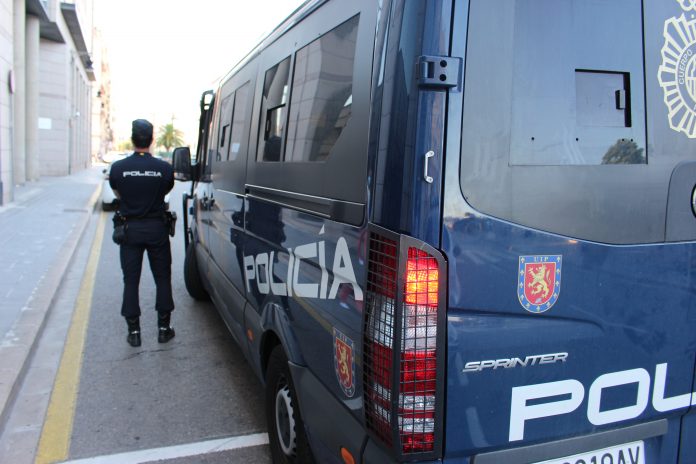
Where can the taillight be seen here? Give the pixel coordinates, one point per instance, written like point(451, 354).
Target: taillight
point(422, 282)
point(419, 353)
point(378, 362)
point(404, 289)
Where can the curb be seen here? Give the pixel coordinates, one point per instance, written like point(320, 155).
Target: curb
point(30, 324)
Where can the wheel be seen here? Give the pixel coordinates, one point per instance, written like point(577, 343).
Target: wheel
point(286, 431)
point(192, 277)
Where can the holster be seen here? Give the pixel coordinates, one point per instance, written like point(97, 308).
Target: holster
point(120, 228)
point(170, 217)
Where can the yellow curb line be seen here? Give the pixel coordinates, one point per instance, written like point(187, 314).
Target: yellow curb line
point(92, 202)
point(54, 444)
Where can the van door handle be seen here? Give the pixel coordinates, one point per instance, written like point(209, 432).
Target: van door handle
point(426, 177)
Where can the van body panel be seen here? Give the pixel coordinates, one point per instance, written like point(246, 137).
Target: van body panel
point(621, 310)
point(315, 262)
point(687, 447)
point(333, 425)
point(411, 122)
point(228, 299)
point(602, 320)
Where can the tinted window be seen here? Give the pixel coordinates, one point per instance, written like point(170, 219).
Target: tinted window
point(209, 147)
point(320, 158)
point(240, 122)
point(224, 131)
point(229, 173)
point(554, 130)
point(570, 80)
point(322, 88)
point(273, 111)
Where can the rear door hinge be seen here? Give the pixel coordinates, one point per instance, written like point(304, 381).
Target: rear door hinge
point(438, 72)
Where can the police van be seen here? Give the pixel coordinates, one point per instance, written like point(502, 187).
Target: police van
point(459, 231)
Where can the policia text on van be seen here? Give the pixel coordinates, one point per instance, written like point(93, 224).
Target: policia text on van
point(388, 193)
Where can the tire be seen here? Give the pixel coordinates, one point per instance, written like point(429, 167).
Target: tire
point(192, 277)
point(286, 432)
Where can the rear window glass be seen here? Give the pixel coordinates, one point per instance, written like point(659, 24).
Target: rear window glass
point(576, 82)
point(554, 128)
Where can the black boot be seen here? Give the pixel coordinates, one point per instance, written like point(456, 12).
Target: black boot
point(133, 331)
point(166, 333)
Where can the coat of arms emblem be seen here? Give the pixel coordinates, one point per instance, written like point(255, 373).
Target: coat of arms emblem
point(677, 74)
point(344, 362)
point(539, 282)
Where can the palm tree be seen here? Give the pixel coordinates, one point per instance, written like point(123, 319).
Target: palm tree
point(169, 136)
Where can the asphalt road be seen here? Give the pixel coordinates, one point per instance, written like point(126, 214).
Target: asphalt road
point(167, 403)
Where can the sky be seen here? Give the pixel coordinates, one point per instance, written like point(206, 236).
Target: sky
point(164, 53)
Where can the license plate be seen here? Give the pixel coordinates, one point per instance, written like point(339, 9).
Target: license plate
point(630, 453)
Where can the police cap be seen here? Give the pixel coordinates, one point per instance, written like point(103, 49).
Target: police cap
point(141, 134)
point(141, 129)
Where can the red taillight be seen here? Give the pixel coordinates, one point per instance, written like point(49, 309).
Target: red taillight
point(413, 416)
point(420, 444)
point(419, 353)
point(422, 278)
point(418, 372)
point(382, 364)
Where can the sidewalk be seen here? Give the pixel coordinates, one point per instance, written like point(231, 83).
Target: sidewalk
point(39, 232)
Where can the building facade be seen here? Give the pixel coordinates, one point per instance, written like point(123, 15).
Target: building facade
point(46, 90)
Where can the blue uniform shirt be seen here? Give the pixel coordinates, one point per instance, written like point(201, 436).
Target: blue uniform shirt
point(142, 182)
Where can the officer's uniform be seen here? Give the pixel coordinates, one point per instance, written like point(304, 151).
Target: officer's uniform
point(142, 182)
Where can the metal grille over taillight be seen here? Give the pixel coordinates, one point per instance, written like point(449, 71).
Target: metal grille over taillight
point(404, 355)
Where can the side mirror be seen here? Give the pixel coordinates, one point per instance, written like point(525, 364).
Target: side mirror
point(182, 163)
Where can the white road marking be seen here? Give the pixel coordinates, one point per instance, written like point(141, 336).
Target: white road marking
point(178, 451)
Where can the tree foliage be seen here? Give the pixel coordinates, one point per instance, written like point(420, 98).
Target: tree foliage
point(168, 137)
point(624, 152)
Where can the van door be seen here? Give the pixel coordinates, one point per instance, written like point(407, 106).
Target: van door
point(571, 308)
point(306, 205)
point(202, 194)
point(228, 179)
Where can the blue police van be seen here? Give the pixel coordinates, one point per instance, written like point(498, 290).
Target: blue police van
point(460, 230)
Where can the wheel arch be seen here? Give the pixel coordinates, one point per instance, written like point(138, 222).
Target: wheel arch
point(269, 341)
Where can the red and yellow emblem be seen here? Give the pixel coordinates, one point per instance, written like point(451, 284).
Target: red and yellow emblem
point(539, 282)
point(344, 362)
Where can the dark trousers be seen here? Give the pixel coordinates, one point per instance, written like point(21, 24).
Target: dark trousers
point(151, 235)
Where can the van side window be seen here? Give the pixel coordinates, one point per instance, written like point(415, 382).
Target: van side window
point(321, 97)
point(240, 122)
point(209, 147)
point(273, 111)
point(313, 111)
point(229, 172)
point(225, 117)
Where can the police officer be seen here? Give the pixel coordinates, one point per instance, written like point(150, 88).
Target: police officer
point(140, 182)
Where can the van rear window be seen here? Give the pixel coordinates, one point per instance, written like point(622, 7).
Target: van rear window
point(554, 119)
point(575, 82)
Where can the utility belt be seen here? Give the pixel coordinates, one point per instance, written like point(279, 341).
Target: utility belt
point(161, 215)
point(121, 223)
